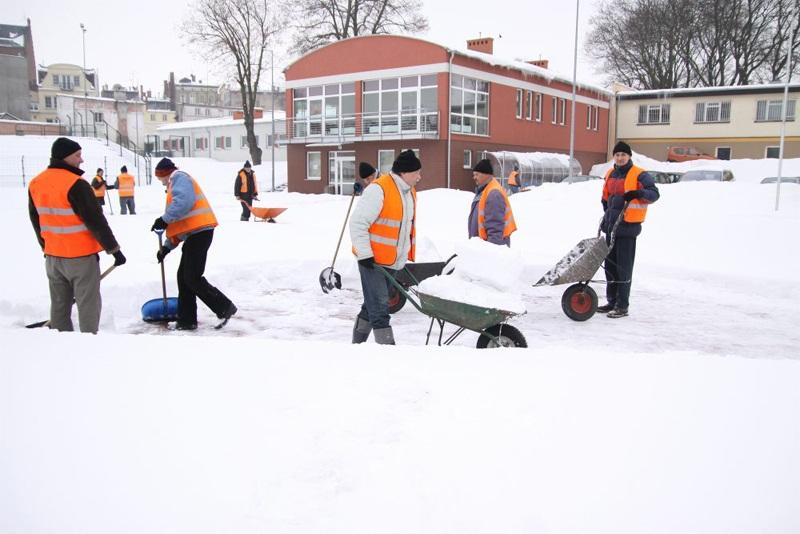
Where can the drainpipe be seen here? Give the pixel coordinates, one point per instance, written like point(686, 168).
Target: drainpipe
point(449, 111)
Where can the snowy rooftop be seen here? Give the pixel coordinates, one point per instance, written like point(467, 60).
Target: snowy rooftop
point(220, 121)
point(755, 88)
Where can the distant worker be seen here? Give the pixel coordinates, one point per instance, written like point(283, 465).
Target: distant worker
point(490, 216)
point(624, 183)
point(383, 231)
point(188, 218)
point(513, 180)
point(366, 175)
point(245, 189)
point(125, 184)
point(71, 229)
point(100, 185)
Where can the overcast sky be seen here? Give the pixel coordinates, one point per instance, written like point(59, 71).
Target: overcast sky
point(138, 43)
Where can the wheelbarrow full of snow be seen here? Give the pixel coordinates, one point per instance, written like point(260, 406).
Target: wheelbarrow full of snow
point(490, 323)
point(411, 275)
point(579, 300)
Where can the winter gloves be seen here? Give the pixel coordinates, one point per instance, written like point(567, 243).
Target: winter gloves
point(357, 187)
point(119, 258)
point(631, 195)
point(367, 263)
point(158, 224)
point(162, 252)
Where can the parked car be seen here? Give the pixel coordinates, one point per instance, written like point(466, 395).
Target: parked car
point(685, 153)
point(784, 180)
point(707, 176)
point(664, 177)
point(580, 178)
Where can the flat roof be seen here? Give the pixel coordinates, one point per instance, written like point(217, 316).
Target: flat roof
point(219, 121)
point(708, 91)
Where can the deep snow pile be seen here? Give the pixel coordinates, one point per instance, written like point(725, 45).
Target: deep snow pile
point(682, 417)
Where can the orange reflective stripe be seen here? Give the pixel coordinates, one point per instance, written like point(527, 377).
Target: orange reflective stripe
point(126, 185)
point(199, 217)
point(64, 233)
point(508, 218)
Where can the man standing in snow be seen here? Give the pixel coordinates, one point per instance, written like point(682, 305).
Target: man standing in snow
point(245, 189)
point(383, 231)
point(100, 185)
point(490, 216)
point(624, 183)
point(126, 184)
point(71, 230)
point(188, 217)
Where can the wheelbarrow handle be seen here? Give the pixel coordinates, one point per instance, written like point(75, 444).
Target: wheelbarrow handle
point(613, 232)
point(400, 288)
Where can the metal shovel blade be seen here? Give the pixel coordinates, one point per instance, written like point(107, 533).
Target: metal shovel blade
point(329, 279)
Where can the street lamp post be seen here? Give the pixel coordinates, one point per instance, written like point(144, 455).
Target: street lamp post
point(272, 111)
point(574, 90)
point(85, 89)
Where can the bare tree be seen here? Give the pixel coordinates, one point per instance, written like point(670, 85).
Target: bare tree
point(787, 22)
point(241, 30)
point(323, 21)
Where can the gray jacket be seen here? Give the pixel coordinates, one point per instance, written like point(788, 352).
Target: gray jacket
point(495, 213)
point(366, 213)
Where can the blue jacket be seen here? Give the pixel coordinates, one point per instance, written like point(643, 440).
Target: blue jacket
point(613, 205)
point(183, 198)
point(495, 212)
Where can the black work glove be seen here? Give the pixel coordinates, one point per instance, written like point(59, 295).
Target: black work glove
point(162, 252)
point(158, 224)
point(367, 263)
point(357, 187)
point(630, 195)
point(255, 197)
point(119, 258)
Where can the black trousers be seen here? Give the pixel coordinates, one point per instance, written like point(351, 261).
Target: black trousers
point(619, 271)
point(191, 282)
point(248, 198)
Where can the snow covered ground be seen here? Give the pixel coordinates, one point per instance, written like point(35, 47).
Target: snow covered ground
point(683, 417)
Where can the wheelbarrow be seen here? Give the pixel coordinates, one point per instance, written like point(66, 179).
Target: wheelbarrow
point(579, 300)
point(263, 214)
point(410, 275)
point(490, 323)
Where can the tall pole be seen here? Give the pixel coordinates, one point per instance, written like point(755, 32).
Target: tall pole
point(272, 111)
point(574, 89)
point(783, 118)
point(85, 89)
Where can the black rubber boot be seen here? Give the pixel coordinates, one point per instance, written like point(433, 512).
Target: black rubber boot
point(361, 330)
point(384, 336)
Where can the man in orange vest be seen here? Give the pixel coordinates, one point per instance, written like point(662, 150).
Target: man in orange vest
point(624, 183)
point(188, 218)
point(71, 230)
point(245, 188)
point(125, 184)
point(383, 232)
point(100, 185)
point(490, 216)
point(513, 180)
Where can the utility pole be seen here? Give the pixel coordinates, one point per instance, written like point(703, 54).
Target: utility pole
point(574, 90)
point(85, 89)
point(272, 111)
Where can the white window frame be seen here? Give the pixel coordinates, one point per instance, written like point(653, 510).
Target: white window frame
point(519, 104)
point(539, 99)
point(529, 105)
point(563, 110)
point(467, 159)
point(661, 110)
point(554, 117)
point(596, 118)
point(308, 166)
point(98, 116)
point(589, 117)
point(772, 110)
point(462, 87)
point(382, 171)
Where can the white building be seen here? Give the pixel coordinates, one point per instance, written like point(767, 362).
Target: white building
point(224, 139)
point(95, 116)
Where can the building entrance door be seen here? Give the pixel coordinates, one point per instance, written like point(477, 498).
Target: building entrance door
point(342, 172)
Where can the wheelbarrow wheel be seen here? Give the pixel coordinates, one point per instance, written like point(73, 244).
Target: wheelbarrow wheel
point(396, 300)
point(506, 337)
point(579, 302)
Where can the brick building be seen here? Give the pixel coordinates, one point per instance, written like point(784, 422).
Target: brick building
point(367, 98)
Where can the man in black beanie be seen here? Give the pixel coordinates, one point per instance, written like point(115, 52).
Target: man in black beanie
point(245, 189)
point(383, 231)
point(626, 186)
point(490, 215)
point(71, 229)
point(366, 174)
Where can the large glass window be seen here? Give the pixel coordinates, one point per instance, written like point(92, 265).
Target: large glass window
point(314, 166)
point(395, 105)
point(328, 110)
point(385, 161)
point(713, 111)
point(469, 105)
point(654, 114)
point(772, 110)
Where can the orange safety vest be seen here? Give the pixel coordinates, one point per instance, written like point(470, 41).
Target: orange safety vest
point(243, 187)
point(126, 185)
point(510, 226)
point(201, 216)
point(100, 192)
point(384, 234)
point(637, 208)
point(64, 233)
point(512, 178)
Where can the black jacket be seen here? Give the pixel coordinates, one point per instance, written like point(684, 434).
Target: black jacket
point(84, 204)
point(612, 206)
point(251, 184)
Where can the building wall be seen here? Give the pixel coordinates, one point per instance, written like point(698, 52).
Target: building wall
point(14, 92)
point(236, 152)
point(47, 88)
point(30, 128)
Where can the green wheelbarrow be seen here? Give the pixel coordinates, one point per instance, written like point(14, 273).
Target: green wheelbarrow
point(490, 323)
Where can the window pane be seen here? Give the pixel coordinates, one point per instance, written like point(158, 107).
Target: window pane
point(315, 91)
point(455, 123)
point(315, 108)
point(372, 85)
point(483, 86)
point(409, 81)
point(409, 101)
point(371, 103)
point(428, 99)
point(332, 106)
point(469, 103)
point(482, 127)
point(385, 161)
point(389, 83)
point(300, 109)
point(455, 101)
point(332, 89)
point(348, 104)
point(483, 105)
point(468, 125)
point(348, 88)
point(469, 83)
point(456, 80)
point(389, 102)
point(314, 166)
point(428, 80)
point(467, 159)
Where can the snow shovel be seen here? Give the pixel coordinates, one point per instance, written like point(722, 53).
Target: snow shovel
point(328, 278)
point(165, 309)
point(46, 322)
